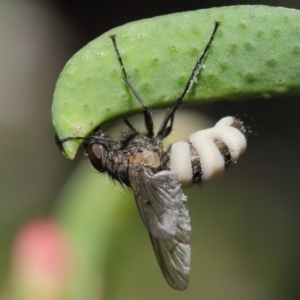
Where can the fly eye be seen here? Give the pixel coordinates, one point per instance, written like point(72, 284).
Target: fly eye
point(95, 153)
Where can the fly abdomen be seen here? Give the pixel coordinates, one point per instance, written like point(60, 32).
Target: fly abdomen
point(208, 152)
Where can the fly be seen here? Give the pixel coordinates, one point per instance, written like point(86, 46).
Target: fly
point(157, 176)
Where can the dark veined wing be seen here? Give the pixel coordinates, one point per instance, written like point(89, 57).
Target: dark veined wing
point(158, 197)
point(161, 204)
point(174, 255)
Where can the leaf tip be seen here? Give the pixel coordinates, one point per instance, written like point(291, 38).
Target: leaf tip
point(67, 147)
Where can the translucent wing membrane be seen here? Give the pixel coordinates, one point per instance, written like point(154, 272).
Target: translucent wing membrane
point(174, 255)
point(159, 198)
point(160, 201)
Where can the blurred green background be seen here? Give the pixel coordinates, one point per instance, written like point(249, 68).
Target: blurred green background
point(245, 225)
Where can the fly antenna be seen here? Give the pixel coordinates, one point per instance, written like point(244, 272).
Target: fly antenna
point(164, 128)
point(147, 110)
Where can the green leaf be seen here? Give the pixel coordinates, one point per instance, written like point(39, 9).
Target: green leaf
point(256, 53)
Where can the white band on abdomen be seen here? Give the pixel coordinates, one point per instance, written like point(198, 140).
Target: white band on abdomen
point(211, 160)
point(180, 163)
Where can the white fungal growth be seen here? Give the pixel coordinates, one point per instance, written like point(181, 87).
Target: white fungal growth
point(182, 168)
point(214, 148)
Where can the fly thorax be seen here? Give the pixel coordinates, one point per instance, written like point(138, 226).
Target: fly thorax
point(140, 150)
point(146, 158)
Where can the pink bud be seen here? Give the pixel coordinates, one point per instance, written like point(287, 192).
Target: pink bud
point(41, 261)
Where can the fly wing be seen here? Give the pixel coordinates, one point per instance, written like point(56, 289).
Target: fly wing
point(159, 198)
point(161, 204)
point(174, 255)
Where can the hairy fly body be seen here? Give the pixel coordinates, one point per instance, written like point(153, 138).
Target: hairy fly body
point(157, 176)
